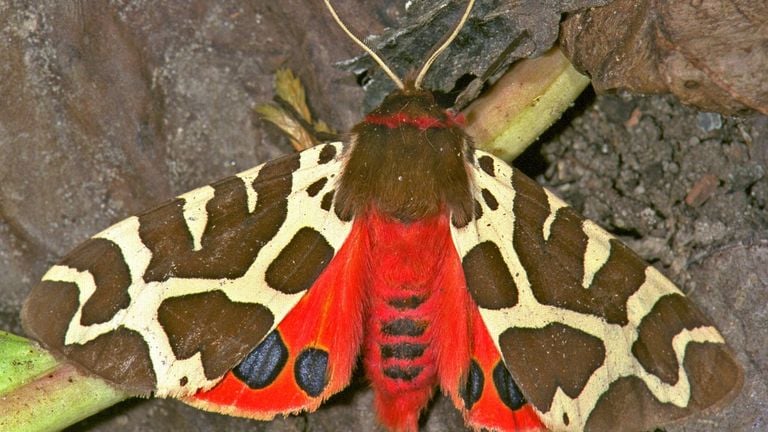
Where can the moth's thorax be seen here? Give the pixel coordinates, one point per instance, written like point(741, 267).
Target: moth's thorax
point(409, 160)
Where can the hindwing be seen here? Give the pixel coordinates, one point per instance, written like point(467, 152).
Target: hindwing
point(171, 300)
point(595, 338)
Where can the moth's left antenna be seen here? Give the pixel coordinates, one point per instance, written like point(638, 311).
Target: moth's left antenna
point(365, 47)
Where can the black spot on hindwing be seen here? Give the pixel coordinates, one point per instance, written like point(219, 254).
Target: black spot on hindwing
point(507, 388)
point(311, 370)
point(474, 387)
point(262, 365)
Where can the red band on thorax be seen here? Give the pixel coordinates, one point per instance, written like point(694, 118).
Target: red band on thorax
point(423, 122)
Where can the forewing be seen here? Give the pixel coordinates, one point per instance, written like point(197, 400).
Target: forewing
point(596, 339)
point(170, 300)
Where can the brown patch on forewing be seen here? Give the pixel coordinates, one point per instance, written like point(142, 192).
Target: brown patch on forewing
point(120, 356)
point(300, 262)
point(714, 373)
point(653, 348)
point(629, 405)
point(490, 199)
point(556, 356)
point(486, 164)
point(316, 187)
point(222, 331)
point(48, 310)
point(105, 262)
point(327, 201)
point(327, 154)
point(555, 267)
point(488, 278)
point(478, 210)
point(232, 238)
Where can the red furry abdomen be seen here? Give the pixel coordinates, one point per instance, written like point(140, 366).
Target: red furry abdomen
point(416, 328)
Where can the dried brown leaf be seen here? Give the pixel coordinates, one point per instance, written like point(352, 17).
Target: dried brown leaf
point(711, 54)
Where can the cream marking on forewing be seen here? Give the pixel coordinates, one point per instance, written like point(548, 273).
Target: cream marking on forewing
point(555, 204)
point(125, 234)
point(597, 252)
point(251, 195)
point(195, 214)
point(653, 288)
point(250, 288)
point(581, 407)
point(528, 313)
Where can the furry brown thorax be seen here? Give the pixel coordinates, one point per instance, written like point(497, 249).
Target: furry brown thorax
point(408, 159)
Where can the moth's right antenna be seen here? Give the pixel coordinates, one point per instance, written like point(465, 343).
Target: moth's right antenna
point(439, 50)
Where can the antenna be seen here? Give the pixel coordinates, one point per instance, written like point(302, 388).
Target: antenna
point(398, 82)
point(438, 51)
point(425, 68)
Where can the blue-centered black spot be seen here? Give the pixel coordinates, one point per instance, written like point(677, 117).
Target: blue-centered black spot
point(311, 371)
point(474, 387)
point(507, 388)
point(262, 366)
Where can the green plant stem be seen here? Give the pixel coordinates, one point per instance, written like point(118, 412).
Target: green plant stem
point(523, 104)
point(38, 393)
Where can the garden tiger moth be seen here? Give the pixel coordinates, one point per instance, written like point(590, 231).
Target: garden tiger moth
point(254, 296)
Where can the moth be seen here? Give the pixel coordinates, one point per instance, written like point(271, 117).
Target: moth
point(436, 263)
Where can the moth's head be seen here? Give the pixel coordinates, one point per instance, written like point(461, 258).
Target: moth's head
point(413, 107)
point(409, 100)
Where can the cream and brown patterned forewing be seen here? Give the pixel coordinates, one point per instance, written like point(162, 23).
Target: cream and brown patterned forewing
point(596, 339)
point(170, 300)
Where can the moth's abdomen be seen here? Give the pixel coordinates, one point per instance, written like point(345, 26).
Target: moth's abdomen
point(410, 294)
